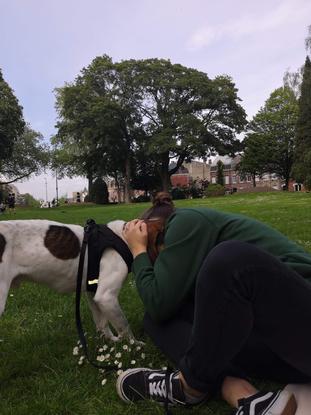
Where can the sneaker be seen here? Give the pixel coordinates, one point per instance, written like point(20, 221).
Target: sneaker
point(161, 386)
point(271, 403)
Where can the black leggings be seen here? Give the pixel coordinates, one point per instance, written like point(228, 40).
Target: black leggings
point(252, 317)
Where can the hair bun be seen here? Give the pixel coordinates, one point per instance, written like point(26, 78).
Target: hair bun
point(162, 198)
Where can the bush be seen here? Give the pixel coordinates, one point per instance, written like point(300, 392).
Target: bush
point(195, 192)
point(99, 192)
point(179, 193)
point(29, 200)
point(141, 198)
point(214, 189)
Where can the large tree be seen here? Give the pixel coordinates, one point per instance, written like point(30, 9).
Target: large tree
point(11, 120)
point(170, 111)
point(253, 161)
point(269, 144)
point(29, 156)
point(98, 123)
point(185, 113)
point(302, 164)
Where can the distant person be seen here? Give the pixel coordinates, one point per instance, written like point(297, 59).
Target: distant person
point(11, 203)
point(53, 202)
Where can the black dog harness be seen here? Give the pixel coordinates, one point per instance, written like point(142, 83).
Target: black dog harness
point(100, 237)
point(97, 238)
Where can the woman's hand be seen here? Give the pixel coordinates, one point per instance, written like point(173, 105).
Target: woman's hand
point(136, 235)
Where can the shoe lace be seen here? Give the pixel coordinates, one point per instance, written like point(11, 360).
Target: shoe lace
point(157, 388)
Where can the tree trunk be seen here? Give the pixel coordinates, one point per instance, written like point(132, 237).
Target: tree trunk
point(127, 181)
point(90, 184)
point(164, 173)
point(118, 188)
point(254, 180)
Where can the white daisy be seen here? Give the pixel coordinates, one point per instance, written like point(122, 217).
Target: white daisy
point(75, 351)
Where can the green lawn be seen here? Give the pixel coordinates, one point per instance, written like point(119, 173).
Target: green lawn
point(38, 372)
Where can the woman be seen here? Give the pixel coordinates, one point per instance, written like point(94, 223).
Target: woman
point(227, 297)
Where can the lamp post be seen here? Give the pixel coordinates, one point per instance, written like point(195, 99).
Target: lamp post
point(56, 182)
point(46, 189)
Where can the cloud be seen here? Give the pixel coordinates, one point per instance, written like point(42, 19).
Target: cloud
point(287, 13)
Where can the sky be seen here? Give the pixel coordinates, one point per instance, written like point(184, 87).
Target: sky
point(46, 43)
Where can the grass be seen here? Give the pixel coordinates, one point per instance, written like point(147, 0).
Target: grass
point(38, 372)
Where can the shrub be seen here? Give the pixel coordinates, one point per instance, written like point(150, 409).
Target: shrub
point(99, 192)
point(179, 193)
point(214, 189)
point(141, 198)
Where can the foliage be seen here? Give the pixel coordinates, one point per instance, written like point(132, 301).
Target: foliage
point(98, 123)
point(293, 80)
point(99, 192)
point(214, 189)
point(308, 41)
point(144, 172)
point(302, 164)
point(4, 193)
point(117, 115)
point(11, 120)
point(269, 144)
point(29, 200)
point(29, 156)
point(185, 113)
point(141, 199)
point(220, 173)
point(179, 192)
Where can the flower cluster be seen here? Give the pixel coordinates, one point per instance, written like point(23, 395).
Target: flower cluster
point(121, 355)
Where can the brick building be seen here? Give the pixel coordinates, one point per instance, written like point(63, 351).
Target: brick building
point(190, 172)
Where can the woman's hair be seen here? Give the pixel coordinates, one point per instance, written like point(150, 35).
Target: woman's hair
point(155, 218)
point(162, 207)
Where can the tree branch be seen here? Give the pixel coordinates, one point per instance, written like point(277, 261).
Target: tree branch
point(17, 178)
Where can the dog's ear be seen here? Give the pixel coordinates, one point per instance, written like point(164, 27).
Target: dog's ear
point(155, 238)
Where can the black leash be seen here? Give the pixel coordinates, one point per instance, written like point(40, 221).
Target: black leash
point(87, 229)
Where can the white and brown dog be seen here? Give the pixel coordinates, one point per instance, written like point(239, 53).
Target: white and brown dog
point(48, 252)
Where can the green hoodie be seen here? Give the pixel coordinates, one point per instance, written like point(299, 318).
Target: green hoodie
point(189, 236)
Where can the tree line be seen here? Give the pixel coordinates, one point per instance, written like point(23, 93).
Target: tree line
point(128, 120)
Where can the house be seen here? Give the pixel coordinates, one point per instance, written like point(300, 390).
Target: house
point(190, 172)
point(234, 181)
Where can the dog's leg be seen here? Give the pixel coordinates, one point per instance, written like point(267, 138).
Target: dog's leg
point(4, 290)
point(113, 272)
point(101, 322)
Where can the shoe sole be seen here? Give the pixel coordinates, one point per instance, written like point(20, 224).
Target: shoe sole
point(121, 379)
point(278, 408)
